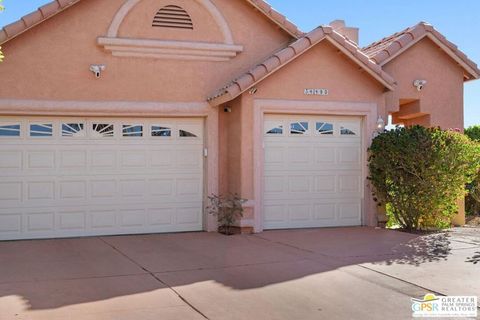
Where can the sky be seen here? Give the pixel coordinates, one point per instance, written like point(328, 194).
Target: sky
point(458, 21)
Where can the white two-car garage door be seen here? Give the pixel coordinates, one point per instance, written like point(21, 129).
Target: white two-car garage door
point(80, 177)
point(313, 172)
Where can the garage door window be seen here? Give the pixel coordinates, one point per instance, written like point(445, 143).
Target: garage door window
point(345, 131)
point(103, 130)
point(273, 128)
point(41, 130)
point(161, 131)
point(299, 128)
point(132, 130)
point(186, 134)
point(73, 130)
point(324, 128)
point(10, 130)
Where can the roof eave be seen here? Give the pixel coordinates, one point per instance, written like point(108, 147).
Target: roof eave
point(473, 72)
point(234, 91)
point(276, 17)
point(386, 84)
point(44, 11)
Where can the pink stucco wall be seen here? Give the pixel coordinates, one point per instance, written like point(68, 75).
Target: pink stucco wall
point(442, 97)
point(51, 62)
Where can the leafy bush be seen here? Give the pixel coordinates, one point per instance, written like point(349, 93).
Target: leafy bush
point(420, 173)
point(473, 133)
point(472, 201)
point(228, 209)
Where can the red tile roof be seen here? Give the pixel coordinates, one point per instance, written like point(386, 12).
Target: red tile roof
point(290, 53)
point(52, 8)
point(32, 19)
point(277, 18)
point(390, 47)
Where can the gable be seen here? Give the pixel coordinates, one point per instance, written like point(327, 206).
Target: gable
point(293, 52)
point(425, 60)
point(322, 67)
point(55, 7)
point(391, 47)
point(53, 59)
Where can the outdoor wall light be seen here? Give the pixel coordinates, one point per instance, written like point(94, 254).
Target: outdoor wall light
point(419, 84)
point(380, 124)
point(97, 69)
point(253, 90)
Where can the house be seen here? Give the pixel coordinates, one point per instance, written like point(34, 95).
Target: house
point(122, 116)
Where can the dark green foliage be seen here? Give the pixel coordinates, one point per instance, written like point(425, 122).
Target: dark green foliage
point(420, 173)
point(473, 133)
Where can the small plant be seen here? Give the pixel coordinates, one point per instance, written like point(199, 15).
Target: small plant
point(420, 174)
point(227, 209)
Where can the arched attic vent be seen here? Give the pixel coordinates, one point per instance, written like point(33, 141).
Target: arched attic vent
point(172, 17)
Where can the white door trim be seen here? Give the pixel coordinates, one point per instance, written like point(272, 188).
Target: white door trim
point(267, 106)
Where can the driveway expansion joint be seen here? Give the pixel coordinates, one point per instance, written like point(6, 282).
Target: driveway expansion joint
point(156, 278)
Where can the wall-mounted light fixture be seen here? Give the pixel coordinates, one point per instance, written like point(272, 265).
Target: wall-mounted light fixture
point(380, 124)
point(380, 127)
point(420, 84)
point(253, 90)
point(97, 69)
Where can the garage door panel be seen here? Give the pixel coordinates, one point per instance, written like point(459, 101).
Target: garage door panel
point(162, 158)
point(89, 181)
point(103, 219)
point(274, 155)
point(132, 217)
point(325, 183)
point(10, 160)
point(40, 221)
point(103, 159)
point(10, 222)
point(312, 179)
point(133, 159)
point(325, 155)
point(350, 183)
point(326, 211)
point(349, 210)
point(72, 220)
point(72, 190)
point(299, 184)
point(10, 192)
point(40, 160)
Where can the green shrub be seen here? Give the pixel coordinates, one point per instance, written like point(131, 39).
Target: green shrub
point(472, 201)
point(420, 173)
point(473, 133)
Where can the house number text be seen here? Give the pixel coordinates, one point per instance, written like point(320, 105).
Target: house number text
point(316, 92)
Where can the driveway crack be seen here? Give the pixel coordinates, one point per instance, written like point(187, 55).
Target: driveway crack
point(156, 278)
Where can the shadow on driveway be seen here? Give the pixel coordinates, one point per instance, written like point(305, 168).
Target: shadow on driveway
point(50, 274)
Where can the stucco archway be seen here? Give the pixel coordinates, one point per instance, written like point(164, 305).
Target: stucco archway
point(184, 50)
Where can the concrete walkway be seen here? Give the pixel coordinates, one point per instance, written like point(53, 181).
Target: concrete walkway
point(347, 273)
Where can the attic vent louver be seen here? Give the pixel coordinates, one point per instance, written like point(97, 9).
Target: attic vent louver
point(172, 17)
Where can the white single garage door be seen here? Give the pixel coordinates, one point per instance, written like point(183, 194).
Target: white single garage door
point(313, 172)
point(64, 177)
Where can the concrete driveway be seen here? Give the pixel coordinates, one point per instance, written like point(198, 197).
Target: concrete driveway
point(347, 273)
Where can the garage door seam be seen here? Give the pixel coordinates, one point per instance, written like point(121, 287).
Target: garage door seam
point(156, 278)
